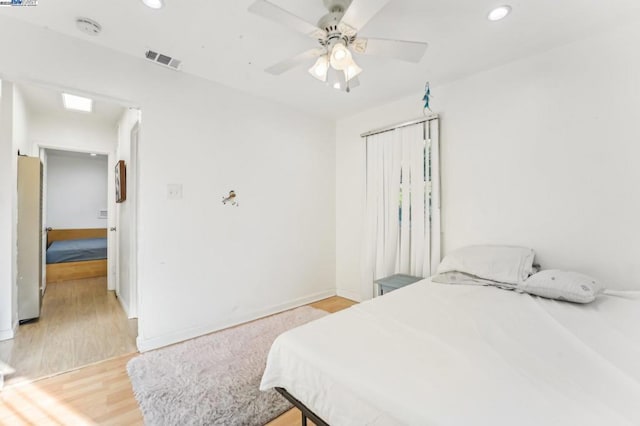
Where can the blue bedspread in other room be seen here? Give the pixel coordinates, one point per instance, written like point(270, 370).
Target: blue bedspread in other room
point(77, 250)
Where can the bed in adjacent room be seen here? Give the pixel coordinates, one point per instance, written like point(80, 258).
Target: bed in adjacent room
point(76, 254)
point(441, 354)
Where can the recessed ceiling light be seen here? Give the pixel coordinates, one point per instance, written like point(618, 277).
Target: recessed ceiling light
point(77, 103)
point(93, 154)
point(154, 4)
point(499, 13)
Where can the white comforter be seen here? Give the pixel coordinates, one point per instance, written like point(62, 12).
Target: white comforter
point(437, 354)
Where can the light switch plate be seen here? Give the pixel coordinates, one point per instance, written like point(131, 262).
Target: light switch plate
point(174, 191)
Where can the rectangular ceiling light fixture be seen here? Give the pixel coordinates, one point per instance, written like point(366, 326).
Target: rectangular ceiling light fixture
point(77, 103)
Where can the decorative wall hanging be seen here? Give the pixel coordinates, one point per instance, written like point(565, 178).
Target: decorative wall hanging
point(121, 182)
point(427, 98)
point(230, 199)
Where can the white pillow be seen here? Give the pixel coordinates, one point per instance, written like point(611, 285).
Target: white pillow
point(563, 285)
point(504, 264)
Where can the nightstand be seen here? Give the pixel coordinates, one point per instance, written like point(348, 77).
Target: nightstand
point(394, 282)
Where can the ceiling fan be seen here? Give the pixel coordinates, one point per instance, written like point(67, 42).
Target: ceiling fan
point(337, 34)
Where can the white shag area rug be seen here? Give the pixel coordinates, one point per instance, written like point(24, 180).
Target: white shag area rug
point(214, 379)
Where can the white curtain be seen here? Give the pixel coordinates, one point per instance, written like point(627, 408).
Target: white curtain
point(402, 223)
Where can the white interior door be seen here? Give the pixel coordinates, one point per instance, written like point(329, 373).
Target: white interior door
point(43, 159)
point(133, 222)
point(125, 235)
point(112, 222)
point(114, 260)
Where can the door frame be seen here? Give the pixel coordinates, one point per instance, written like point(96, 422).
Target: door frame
point(36, 146)
point(111, 254)
point(133, 276)
point(132, 201)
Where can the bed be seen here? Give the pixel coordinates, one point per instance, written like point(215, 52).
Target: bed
point(438, 354)
point(76, 254)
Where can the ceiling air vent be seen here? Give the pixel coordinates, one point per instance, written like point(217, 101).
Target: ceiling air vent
point(164, 60)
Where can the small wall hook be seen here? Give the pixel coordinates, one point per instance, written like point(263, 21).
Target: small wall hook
point(231, 199)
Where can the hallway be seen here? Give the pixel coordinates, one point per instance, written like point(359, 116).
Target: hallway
point(81, 323)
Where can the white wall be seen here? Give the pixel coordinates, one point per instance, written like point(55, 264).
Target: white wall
point(202, 265)
point(540, 153)
point(14, 137)
point(72, 132)
point(21, 122)
point(7, 247)
point(76, 191)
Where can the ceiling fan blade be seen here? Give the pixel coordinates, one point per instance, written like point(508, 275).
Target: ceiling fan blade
point(298, 60)
point(361, 11)
point(276, 13)
point(410, 51)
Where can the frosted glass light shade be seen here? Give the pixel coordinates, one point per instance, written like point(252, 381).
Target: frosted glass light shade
point(320, 68)
point(336, 79)
point(351, 70)
point(340, 56)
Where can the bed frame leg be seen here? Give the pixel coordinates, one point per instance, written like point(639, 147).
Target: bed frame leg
point(306, 413)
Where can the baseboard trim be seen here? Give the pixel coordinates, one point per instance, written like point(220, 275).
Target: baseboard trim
point(9, 333)
point(125, 308)
point(190, 333)
point(348, 294)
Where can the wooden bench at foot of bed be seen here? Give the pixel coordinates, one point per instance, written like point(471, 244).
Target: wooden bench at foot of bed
point(75, 270)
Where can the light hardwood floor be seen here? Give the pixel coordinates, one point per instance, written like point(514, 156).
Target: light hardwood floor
point(98, 394)
point(80, 323)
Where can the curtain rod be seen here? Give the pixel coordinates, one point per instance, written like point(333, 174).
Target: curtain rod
point(399, 125)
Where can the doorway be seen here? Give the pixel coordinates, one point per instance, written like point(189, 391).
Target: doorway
point(88, 296)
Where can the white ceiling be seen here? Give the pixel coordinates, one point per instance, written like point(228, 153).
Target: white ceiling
point(45, 101)
point(221, 41)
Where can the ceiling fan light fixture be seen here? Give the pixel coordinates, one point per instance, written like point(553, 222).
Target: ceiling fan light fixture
point(351, 70)
point(340, 57)
point(336, 79)
point(339, 54)
point(337, 34)
point(320, 69)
